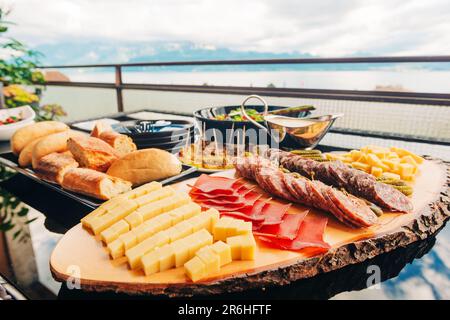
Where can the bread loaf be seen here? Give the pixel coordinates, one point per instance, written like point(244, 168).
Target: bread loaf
point(92, 153)
point(26, 154)
point(25, 135)
point(100, 127)
point(53, 166)
point(94, 183)
point(145, 165)
point(56, 142)
point(123, 144)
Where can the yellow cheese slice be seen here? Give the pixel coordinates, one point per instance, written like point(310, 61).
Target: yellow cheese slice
point(195, 269)
point(223, 250)
point(100, 223)
point(221, 228)
point(199, 240)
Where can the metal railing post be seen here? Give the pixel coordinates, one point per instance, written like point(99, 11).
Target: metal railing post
point(118, 86)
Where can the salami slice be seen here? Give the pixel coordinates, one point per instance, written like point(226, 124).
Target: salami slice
point(354, 209)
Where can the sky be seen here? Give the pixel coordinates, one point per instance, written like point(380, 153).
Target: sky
point(327, 28)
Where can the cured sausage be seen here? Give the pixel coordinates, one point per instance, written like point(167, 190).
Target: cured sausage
point(356, 182)
point(346, 208)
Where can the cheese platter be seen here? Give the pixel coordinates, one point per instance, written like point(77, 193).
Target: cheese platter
point(245, 228)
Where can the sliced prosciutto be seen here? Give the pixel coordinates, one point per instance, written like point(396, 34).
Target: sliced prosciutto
point(287, 229)
point(310, 235)
point(215, 184)
point(248, 200)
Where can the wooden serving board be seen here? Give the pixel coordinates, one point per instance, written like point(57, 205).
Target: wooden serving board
point(80, 252)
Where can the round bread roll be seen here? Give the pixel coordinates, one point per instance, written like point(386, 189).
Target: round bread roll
point(56, 142)
point(27, 134)
point(145, 165)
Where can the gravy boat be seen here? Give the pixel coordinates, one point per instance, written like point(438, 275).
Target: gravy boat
point(306, 132)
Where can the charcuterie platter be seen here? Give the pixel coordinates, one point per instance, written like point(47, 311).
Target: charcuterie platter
point(324, 239)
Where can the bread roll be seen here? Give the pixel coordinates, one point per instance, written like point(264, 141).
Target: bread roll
point(100, 127)
point(123, 144)
point(145, 165)
point(53, 166)
point(25, 135)
point(92, 153)
point(56, 142)
point(93, 183)
point(27, 153)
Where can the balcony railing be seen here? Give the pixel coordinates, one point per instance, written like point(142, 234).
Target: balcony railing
point(427, 99)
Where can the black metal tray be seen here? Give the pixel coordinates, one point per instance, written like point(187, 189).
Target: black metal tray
point(9, 160)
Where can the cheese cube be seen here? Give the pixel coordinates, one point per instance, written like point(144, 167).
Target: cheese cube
point(154, 196)
point(173, 234)
point(150, 262)
point(164, 221)
point(87, 220)
point(361, 166)
point(248, 248)
point(406, 170)
point(221, 228)
point(376, 171)
point(184, 228)
point(195, 269)
point(210, 259)
point(134, 219)
point(215, 216)
point(113, 232)
point(243, 227)
point(181, 252)
point(235, 247)
point(129, 239)
point(402, 152)
point(166, 258)
point(393, 165)
point(192, 210)
point(135, 254)
point(151, 210)
point(141, 190)
point(410, 160)
point(242, 247)
point(116, 249)
point(102, 222)
point(223, 250)
point(199, 240)
point(201, 221)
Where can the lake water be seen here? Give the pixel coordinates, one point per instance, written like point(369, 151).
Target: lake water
point(407, 79)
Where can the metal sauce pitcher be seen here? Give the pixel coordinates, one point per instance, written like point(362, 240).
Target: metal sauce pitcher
point(307, 132)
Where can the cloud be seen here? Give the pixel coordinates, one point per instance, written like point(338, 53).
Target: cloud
point(325, 28)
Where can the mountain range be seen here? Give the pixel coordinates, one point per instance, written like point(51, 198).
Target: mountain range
point(76, 52)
